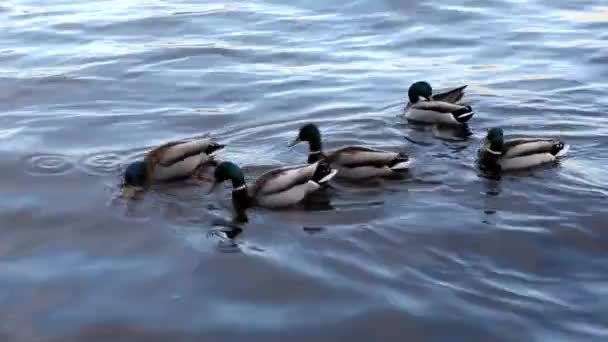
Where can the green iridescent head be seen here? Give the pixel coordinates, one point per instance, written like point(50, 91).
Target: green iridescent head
point(311, 134)
point(229, 171)
point(420, 89)
point(240, 197)
point(495, 138)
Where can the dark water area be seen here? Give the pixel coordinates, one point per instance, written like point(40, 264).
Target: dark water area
point(442, 255)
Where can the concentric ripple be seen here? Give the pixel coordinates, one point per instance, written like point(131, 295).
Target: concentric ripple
point(100, 164)
point(48, 164)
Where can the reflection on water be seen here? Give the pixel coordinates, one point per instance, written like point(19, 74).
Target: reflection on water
point(455, 133)
point(443, 251)
point(491, 202)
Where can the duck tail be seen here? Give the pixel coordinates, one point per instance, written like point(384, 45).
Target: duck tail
point(451, 96)
point(323, 172)
point(463, 114)
point(213, 147)
point(559, 149)
point(402, 162)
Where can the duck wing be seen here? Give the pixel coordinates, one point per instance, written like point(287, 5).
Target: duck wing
point(281, 179)
point(438, 106)
point(529, 146)
point(450, 96)
point(354, 156)
point(176, 151)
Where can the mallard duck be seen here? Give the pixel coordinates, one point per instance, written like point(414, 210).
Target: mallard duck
point(352, 162)
point(439, 108)
point(170, 161)
point(277, 188)
point(496, 154)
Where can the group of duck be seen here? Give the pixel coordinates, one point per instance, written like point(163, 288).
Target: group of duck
point(287, 186)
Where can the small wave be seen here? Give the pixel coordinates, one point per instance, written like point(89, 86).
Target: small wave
point(102, 163)
point(48, 164)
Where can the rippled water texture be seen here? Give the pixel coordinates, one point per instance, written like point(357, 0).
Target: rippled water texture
point(443, 255)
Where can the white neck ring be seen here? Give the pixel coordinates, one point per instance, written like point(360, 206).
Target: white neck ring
point(496, 153)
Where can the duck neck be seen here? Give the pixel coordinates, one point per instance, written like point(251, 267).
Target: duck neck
point(315, 146)
point(238, 181)
point(241, 201)
point(240, 195)
point(315, 149)
point(495, 147)
point(314, 157)
point(491, 156)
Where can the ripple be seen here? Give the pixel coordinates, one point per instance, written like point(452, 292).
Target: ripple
point(48, 164)
point(100, 164)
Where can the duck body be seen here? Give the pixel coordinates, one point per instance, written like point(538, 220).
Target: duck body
point(278, 188)
point(360, 162)
point(289, 185)
point(441, 108)
point(516, 154)
point(171, 161)
point(175, 160)
point(353, 162)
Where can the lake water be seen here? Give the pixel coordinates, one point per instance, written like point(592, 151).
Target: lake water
point(442, 255)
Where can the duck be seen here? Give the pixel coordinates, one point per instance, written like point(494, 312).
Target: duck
point(173, 160)
point(496, 154)
point(277, 188)
point(352, 162)
point(441, 108)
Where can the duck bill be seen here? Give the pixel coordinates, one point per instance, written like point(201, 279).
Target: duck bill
point(130, 191)
point(294, 142)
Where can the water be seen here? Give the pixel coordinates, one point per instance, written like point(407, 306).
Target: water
point(444, 255)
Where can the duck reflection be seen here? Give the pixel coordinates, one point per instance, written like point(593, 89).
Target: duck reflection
point(452, 132)
point(492, 190)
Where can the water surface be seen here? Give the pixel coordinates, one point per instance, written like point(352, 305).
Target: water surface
point(442, 255)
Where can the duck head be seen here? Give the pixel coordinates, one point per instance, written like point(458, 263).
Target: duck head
point(495, 139)
point(240, 197)
point(492, 151)
point(418, 90)
point(135, 178)
point(310, 133)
